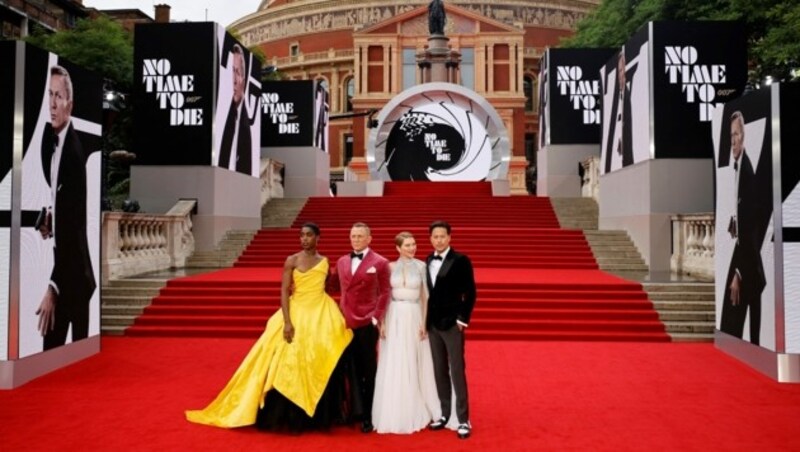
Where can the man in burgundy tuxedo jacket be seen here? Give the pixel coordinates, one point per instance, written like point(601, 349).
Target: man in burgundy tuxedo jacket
point(363, 278)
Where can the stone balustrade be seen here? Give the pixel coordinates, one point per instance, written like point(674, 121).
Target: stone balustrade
point(135, 243)
point(693, 245)
point(271, 179)
point(590, 182)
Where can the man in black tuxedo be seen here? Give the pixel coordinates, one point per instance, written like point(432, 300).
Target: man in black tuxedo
point(66, 299)
point(620, 135)
point(746, 279)
point(451, 288)
point(236, 140)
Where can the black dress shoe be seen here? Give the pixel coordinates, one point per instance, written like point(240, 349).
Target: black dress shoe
point(464, 430)
point(367, 427)
point(438, 424)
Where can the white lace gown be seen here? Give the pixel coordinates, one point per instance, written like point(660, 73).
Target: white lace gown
point(405, 390)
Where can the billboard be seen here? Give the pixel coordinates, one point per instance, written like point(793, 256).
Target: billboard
point(758, 218)
point(294, 113)
point(197, 93)
point(570, 95)
point(55, 213)
point(438, 132)
point(660, 89)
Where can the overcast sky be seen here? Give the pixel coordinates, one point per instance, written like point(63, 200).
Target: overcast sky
point(221, 11)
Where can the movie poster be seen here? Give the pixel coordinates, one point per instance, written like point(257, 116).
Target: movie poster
point(744, 248)
point(288, 118)
point(625, 81)
point(8, 51)
point(571, 102)
point(697, 66)
point(237, 118)
point(789, 94)
point(173, 69)
point(59, 239)
point(544, 99)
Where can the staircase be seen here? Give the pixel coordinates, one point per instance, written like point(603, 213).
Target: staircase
point(226, 252)
point(687, 309)
point(576, 213)
point(122, 301)
point(281, 212)
point(535, 280)
point(614, 250)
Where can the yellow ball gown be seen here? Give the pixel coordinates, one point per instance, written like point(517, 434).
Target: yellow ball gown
point(299, 371)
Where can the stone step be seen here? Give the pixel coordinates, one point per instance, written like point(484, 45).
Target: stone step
point(690, 327)
point(613, 260)
point(131, 311)
point(625, 268)
point(683, 305)
point(116, 300)
point(135, 282)
point(130, 291)
point(681, 296)
point(687, 316)
point(679, 287)
point(113, 330)
point(692, 337)
point(117, 320)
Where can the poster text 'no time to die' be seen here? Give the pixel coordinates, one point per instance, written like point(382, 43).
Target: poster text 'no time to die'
point(170, 91)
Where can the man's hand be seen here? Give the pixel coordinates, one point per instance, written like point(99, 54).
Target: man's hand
point(736, 284)
point(46, 228)
point(47, 311)
point(288, 332)
point(382, 329)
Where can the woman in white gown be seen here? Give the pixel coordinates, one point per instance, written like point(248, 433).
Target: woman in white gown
point(405, 390)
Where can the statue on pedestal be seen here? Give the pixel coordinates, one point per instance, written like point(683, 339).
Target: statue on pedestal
point(436, 17)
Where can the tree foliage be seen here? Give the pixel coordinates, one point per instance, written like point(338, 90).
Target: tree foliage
point(99, 44)
point(772, 26)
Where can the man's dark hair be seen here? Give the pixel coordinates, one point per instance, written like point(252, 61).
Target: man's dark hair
point(439, 224)
point(313, 226)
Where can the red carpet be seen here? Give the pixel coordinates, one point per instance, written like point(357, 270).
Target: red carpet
point(525, 396)
point(535, 280)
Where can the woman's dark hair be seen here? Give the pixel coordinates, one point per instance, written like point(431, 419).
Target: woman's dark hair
point(312, 226)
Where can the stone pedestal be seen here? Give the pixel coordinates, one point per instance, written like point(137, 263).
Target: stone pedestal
point(438, 63)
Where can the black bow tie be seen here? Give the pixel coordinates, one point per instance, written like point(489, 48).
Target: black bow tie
point(355, 255)
point(736, 166)
point(436, 257)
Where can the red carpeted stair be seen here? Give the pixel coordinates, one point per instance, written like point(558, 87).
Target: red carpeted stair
point(535, 280)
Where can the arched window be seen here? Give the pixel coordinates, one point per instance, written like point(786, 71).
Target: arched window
point(349, 93)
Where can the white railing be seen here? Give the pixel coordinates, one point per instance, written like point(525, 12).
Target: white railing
point(590, 183)
point(693, 245)
point(135, 243)
point(271, 180)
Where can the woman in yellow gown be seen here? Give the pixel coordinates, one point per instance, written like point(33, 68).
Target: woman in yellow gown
point(295, 358)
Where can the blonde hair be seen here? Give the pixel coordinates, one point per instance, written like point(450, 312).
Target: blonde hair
point(401, 237)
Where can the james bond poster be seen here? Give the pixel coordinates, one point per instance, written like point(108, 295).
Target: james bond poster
point(744, 248)
point(7, 53)
point(60, 204)
point(544, 100)
point(174, 67)
point(237, 119)
point(625, 81)
point(287, 112)
point(572, 95)
point(696, 67)
point(790, 202)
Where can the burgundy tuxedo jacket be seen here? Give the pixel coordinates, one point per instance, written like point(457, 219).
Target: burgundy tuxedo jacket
point(366, 293)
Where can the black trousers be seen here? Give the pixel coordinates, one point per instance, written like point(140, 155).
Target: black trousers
point(68, 313)
point(449, 369)
point(363, 365)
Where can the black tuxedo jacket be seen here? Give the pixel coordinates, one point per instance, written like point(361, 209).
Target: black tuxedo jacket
point(453, 296)
point(72, 269)
point(627, 118)
point(242, 149)
point(747, 252)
